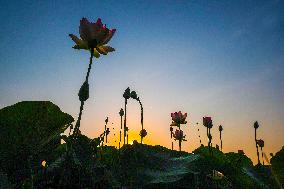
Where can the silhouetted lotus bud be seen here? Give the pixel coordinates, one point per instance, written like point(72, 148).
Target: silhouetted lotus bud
point(133, 95)
point(220, 128)
point(84, 92)
point(256, 125)
point(143, 133)
point(121, 112)
point(107, 131)
point(106, 120)
point(260, 143)
point(207, 122)
point(126, 93)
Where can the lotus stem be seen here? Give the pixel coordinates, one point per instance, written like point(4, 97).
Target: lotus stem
point(256, 146)
point(124, 131)
point(77, 125)
point(141, 118)
point(221, 140)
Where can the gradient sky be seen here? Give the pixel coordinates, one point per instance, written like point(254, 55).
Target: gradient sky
point(223, 59)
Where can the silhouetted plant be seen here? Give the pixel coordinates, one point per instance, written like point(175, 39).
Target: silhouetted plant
point(143, 132)
point(256, 126)
point(105, 131)
point(94, 37)
point(260, 143)
point(121, 113)
point(207, 122)
point(126, 96)
point(178, 118)
point(171, 130)
point(220, 130)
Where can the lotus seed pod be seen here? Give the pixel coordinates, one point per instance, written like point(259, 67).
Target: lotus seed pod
point(133, 95)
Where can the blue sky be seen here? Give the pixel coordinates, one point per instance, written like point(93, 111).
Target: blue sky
point(218, 58)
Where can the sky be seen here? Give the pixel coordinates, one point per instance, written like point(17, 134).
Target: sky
point(223, 59)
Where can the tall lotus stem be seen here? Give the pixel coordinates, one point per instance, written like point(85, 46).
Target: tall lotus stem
point(207, 122)
point(256, 125)
point(121, 113)
point(220, 130)
point(106, 121)
point(83, 95)
point(143, 132)
point(260, 143)
point(171, 130)
point(126, 96)
point(141, 106)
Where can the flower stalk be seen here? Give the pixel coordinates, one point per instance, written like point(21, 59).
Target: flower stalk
point(220, 130)
point(256, 125)
point(177, 119)
point(126, 96)
point(83, 95)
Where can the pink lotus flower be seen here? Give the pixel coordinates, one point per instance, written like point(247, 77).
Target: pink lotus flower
point(207, 122)
point(143, 133)
point(178, 118)
point(178, 135)
point(94, 36)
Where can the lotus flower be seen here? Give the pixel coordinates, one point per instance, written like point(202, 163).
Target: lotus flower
point(94, 36)
point(179, 118)
point(178, 135)
point(143, 133)
point(207, 122)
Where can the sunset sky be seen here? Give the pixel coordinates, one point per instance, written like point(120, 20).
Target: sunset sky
point(223, 59)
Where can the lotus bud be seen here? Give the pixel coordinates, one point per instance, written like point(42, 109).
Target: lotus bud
point(126, 93)
point(121, 112)
point(107, 131)
point(220, 128)
point(256, 125)
point(84, 92)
